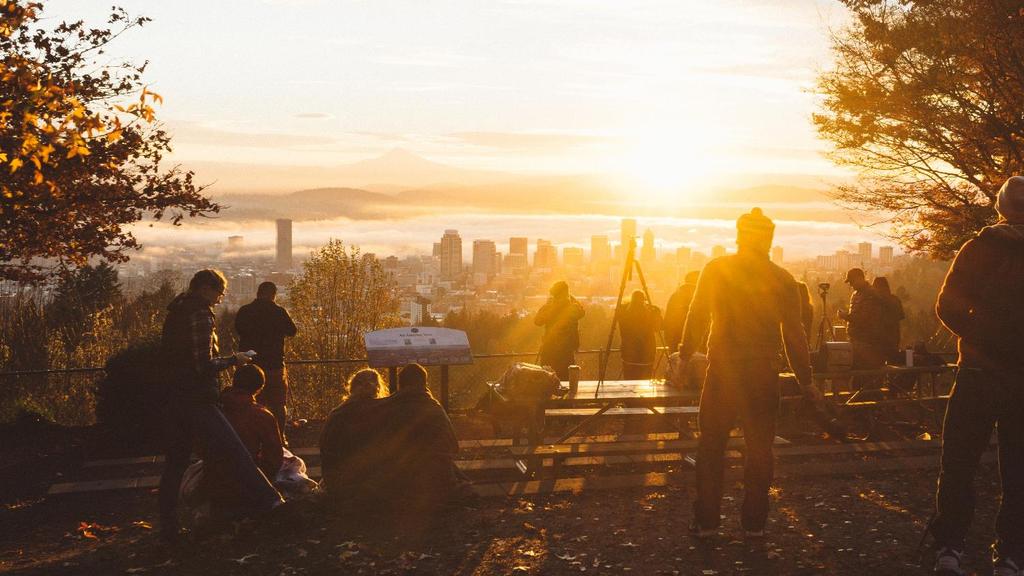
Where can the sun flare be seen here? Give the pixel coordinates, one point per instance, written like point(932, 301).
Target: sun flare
point(665, 165)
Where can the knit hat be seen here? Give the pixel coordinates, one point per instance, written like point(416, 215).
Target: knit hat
point(1010, 202)
point(755, 230)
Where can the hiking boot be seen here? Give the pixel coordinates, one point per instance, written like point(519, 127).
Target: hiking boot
point(947, 562)
point(697, 531)
point(1006, 567)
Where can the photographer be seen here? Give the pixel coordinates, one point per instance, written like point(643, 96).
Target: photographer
point(560, 318)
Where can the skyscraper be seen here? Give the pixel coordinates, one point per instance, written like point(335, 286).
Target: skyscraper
point(600, 252)
point(777, 255)
point(864, 254)
point(483, 257)
point(885, 255)
point(546, 255)
point(628, 233)
point(518, 255)
point(648, 253)
point(572, 257)
point(284, 244)
point(451, 255)
point(683, 257)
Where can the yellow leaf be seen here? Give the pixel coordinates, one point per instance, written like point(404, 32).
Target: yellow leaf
point(3, 157)
point(114, 136)
point(15, 164)
point(156, 97)
point(39, 178)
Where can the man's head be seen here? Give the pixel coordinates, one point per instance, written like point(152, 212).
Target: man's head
point(209, 285)
point(755, 231)
point(1010, 202)
point(413, 376)
point(692, 277)
point(855, 278)
point(266, 291)
point(638, 298)
point(559, 289)
point(249, 378)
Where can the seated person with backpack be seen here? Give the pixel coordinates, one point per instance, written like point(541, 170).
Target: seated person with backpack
point(254, 423)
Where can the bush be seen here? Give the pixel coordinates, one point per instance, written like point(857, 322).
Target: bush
point(131, 397)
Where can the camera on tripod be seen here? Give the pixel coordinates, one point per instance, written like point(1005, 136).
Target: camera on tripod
point(823, 288)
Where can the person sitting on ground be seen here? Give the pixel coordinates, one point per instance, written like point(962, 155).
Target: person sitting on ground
point(341, 439)
point(255, 424)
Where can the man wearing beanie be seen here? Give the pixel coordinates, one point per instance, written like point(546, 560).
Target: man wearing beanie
point(982, 302)
point(753, 308)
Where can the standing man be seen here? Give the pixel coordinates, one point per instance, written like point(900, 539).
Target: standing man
point(190, 358)
point(560, 317)
point(863, 322)
point(676, 309)
point(262, 326)
point(753, 308)
point(982, 302)
point(639, 323)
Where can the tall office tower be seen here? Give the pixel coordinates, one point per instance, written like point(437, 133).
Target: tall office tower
point(546, 255)
point(864, 254)
point(717, 251)
point(451, 255)
point(497, 262)
point(885, 255)
point(483, 257)
point(628, 232)
point(648, 254)
point(600, 252)
point(777, 255)
point(284, 244)
point(572, 257)
point(518, 245)
point(518, 255)
point(436, 253)
point(683, 257)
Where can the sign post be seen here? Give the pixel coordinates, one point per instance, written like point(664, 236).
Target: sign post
point(427, 346)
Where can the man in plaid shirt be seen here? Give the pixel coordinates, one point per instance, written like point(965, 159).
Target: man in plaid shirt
point(190, 357)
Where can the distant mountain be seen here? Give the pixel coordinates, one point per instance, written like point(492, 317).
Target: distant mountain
point(396, 170)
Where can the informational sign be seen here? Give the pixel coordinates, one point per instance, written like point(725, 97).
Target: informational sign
point(423, 345)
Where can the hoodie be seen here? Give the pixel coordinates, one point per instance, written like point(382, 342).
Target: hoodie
point(982, 298)
point(256, 427)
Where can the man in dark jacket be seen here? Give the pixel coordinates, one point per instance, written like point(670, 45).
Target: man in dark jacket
point(982, 302)
point(639, 323)
point(190, 358)
point(560, 317)
point(676, 309)
point(864, 322)
point(752, 307)
point(262, 326)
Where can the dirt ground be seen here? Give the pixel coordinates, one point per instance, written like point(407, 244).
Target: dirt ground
point(837, 525)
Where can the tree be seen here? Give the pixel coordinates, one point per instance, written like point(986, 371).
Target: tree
point(80, 148)
point(926, 99)
point(80, 295)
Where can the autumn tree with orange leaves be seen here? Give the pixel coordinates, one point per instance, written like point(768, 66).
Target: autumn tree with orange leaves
point(80, 147)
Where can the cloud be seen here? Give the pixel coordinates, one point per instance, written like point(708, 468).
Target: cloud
point(193, 133)
point(533, 141)
point(315, 115)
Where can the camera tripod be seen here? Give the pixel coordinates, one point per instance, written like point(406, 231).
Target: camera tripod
point(826, 332)
point(629, 266)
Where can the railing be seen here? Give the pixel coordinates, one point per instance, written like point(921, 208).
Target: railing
point(68, 395)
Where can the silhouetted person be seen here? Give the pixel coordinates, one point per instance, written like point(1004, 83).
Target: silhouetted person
point(981, 302)
point(262, 326)
point(863, 322)
point(560, 318)
point(806, 309)
point(892, 315)
point(639, 323)
point(191, 363)
point(255, 425)
point(345, 436)
point(753, 309)
point(676, 309)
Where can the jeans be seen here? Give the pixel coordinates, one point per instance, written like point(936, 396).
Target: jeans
point(980, 401)
point(191, 420)
point(275, 395)
point(747, 389)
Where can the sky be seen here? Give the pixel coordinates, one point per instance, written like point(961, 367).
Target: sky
point(674, 94)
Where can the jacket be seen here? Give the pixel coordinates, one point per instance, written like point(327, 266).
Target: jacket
point(982, 298)
point(560, 319)
point(189, 349)
point(256, 428)
point(262, 326)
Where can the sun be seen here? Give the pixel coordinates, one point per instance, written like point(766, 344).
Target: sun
point(664, 165)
